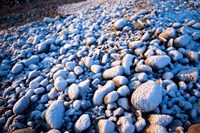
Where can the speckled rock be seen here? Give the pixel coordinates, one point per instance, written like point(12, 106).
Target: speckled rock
point(188, 75)
point(160, 119)
point(82, 123)
point(106, 126)
point(158, 61)
point(113, 72)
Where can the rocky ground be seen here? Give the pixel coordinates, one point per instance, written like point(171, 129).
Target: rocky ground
point(123, 66)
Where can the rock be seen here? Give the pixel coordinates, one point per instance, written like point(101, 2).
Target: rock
point(113, 72)
point(21, 105)
point(88, 62)
point(120, 81)
point(126, 63)
point(143, 68)
point(73, 91)
point(25, 130)
point(127, 128)
point(90, 41)
point(96, 68)
point(37, 39)
point(34, 59)
point(139, 25)
point(48, 20)
point(84, 87)
point(142, 77)
point(60, 73)
point(194, 128)
point(17, 68)
point(147, 96)
point(111, 97)
point(70, 65)
point(54, 114)
point(82, 123)
point(188, 75)
point(135, 44)
point(43, 47)
point(168, 33)
point(192, 56)
point(101, 92)
point(123, 102)
point(156, 129)
point(53, 131)
point(106, 126)
point(145, 37)
point(120, 24)
point(158, 61)
point(196, 26)
point(182, 41)
point(175, 55)
point(78, 70)
point(60, 84)
point(160, 119)
point(33, 84)
point(123, 90)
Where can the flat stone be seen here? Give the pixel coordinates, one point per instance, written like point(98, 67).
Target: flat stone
point(21, 105)
point(17, 68)
point(113, 72)
point(120, 24)
point(73, 91)
point(182, 41)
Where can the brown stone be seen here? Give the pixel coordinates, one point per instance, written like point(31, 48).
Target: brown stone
point(194, 128)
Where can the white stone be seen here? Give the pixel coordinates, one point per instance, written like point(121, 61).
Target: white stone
point(78, 70)
point(127, 61)
point(123, 90)
point(168, 33)
point(70, 65)
point(127, 128)
point(60, 84)
point(123, 102)
point(34, 59)
point(90, 40)
point(106, 126)
point(54, 114)
point(158, 61)
point(60, 73)
point(188, 75)
point(143, 68)
point(120, 81)
point(96, 68)
point(160, 119)
point(147, 96)
point(82, 123)
point(17, 68)
point(135, 44)
point(21, 105)
point(120, 24)
point(182, 41)
point(111, 97)
point(88, 62)
point(48, 20)
point(73, 91)
point(113, 72)
point(156, 129)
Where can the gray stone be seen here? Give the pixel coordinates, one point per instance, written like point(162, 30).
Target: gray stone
point(21, 105)
point(113, 72)
point(70, 65)
point(158, 61)
point(111, 97)
point(123, 102)
point(73, 91)
point(48, 20)
point(106, 126)
point(127, 61)
point(188, 75)
point(34, 59)
point(43, 47)
point(88, 62)
point(135, 44)
point(182, 41)
point(120, 81)
point(96, 68)
point(60, 84)
point(78, 70)
point(147, 96)
point(160, 119)
point(82, 123)
point(17, 68)
point(90, 41)
point(123, 90)
point(54, 114)
point(120, 24)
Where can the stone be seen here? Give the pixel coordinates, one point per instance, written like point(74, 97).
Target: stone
point(168, 33)
point(188, 75)
point(139, 25)
point(113, 72)
point(120, 24)
point(156, 129)
point(111, 97)
point(160, 119)
point(34, 59)
point(53, 131)
point(82, 123)
point(70, 65)
point(106, 126)
point(21, 105)
point(54, 114)
point(73, 91)
point(127, 61)
point(143, 68)
point(182, 41)
point(123, 102)
point(175, 55)
point(101, 92)
point(43, 47)
point(127, 128)
point(158, 61)
point(88, 62)
point(135, 44)
point(78, 70)
point(192, 56)
point(60, 73)
point(48, 20)
point(96, 68)
point(24, 130)
point(123, 90)
point(147, 96)
point(60, 84)
point(194, 128)
point(90, 41)
point(120, 81)
point(17, 68)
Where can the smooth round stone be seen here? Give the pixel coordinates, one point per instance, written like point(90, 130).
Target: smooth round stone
point(60, 84)
point(17, 68)
point(78, 70)
point(111, 97)
point(182, 41)
point(106, 126)
point(96, 68)
point(123, 90)
point(73, 91)
point(113, 72)
point(158, 61)
point(147, 96)
point(21, 105)
point(90, 41)
point(43, 47)
point(88, 62)
point(120, 81)
point(120, 24)
point(83, 123)
point(70, 65)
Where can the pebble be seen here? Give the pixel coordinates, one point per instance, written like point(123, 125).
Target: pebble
point(106, 126)
point(17, 68)
point(120, 24)
point(143, 68)
point(192, 56)
point(60, 84)
point(34, 59)
point(111, 97)
point(96, 68)
point(194, 128)
point(175, 55)
point(113, 72)
point(124, 103)
point(160, 119)
point(88, 62)
point(73, 91)
point(90, 41)
point(147, 96)
point(158, 61)
point(54, 114)
point(120, 81)
point(142, 77)
point(48, 20)
point(168, 33)
point(21, 105)
point(78, 70)
point(101, 92)
point(139, 25)
point(182, 41)
point(43, 47)
point(83, 123)
point(123, 90)
point(127, 128)
point(156, 129)
point(188, 75)
point(135, 44)
point(70, 65)
point(60, 73)
point(126, 63)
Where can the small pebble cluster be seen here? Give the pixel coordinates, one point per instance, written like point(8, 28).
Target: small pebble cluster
point(106, 69)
